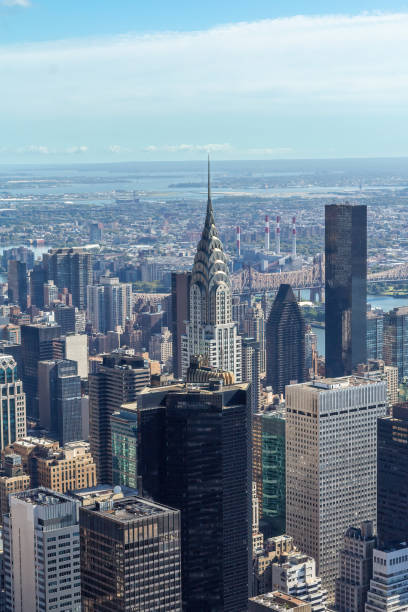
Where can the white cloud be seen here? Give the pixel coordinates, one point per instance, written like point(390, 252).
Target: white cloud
point(40, 149)
point(22, 3)
point(116, 149)
point(271, 151)
point(298, 64)
point(77, 149)
point(189, 148)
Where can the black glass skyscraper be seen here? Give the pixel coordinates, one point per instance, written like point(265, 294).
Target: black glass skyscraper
point(346, 287)
point(392, 496)
point(285, 342)
point(207, 477)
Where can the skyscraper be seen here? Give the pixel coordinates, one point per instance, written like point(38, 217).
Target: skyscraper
point(37, 345)
point(285, 342)
point(180, 299)
point(207, 477)
point(375, 335)
point(13, 402)
point(393, 476)
point(65, 317)
point(331, 464)
point(273, 474)
point(130, 556)
point(124, 436)
point(42, 554)
point(70, 268)
point(17, 283)
point(60, 399)
point(117, 382)
point(389, 584)
point(356, 568)
point(346, 287)
point(251, 370)
point(395, 346)
point(210, 330)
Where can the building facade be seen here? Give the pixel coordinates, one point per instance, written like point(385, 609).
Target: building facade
point(138, 542)
point(42, 552)
point(207, 477)
point(13, 403)
point(295, 575)
point(70, 268)
point(375, 335)
point(285, 342)
point(117, 382)
point(210, 330)
point(251, 370)
point(345, 288)
point(273, 474)
point(356, 568)
point(395, 348)
point(17, 283)
point(389, 584)
point(331, 464)
point(124, 435)
point(393, 476)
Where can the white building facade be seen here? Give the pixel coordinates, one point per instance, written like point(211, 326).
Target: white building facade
point(389, 585)
point(331, 464)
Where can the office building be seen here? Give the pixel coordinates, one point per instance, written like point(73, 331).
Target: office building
point(277, 602)
point(70, 268)
point(376, 369)
point(395, 347)
point(257, 537)
point(345, 288)
point(50, 291)
point(42, 552)
point(17, 283)
point(13, 404)
point(210, 330)
point(68, 468)
point(161, 347)
point(73, 347)
point(285, 342)
point(109, 304)
point(251, 370)
point(257, 456)
point(96, 232)
point(254, 327)
point(36, 345)
point(65, 318)
point(12, 480)
point(38, 276)
point(130, 556)
point(331, 464)
point(124, 436)
point(389, 584)
point(375, 334)
point(60, 399)
point(311, 353)
point(273, 474)
point(180, 309)
point(356, 568)
point(117, 382)
point(273, 549)
point(295, 575)
point(207, 477)
point(20, 253)
point(30, 449)
point(393, 476)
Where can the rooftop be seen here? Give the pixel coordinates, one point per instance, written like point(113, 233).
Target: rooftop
point(42, 497)
point(128, 509)
point(278, 601)
point(330, 384)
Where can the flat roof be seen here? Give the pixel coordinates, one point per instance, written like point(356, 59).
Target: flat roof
point(128, 509)
point(331, 384)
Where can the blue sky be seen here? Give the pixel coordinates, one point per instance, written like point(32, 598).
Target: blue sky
point(91, 80)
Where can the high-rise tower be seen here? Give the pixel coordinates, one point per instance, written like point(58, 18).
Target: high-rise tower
point(210, 331)
point(285, 342)
point(346, 287)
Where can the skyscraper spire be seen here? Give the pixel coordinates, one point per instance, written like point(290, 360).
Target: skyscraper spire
point(209, 202)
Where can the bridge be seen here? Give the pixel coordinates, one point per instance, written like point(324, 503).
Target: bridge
point(250, 280)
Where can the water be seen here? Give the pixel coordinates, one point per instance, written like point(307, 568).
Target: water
point(386, 302)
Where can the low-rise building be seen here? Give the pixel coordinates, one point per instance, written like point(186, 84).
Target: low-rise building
point(69, 467)
point(277, 602)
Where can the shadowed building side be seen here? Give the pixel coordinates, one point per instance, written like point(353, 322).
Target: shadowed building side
point(285, 342)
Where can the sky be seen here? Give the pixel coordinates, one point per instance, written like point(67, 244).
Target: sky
point(96, 80)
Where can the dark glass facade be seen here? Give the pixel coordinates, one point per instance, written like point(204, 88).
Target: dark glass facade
point(124, 432)
point(36, 345)
point(180, 312)
point(345, 288)
point(65, 401)
point(130, 557)
point(17, 283)
point(392, 504)
point(117, 382)
point(273, 475)
point(285, 342)
point(395, 347)
point(207, 477)
point(375, 335)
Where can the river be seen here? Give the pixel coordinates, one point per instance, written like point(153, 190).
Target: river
point(386, 302)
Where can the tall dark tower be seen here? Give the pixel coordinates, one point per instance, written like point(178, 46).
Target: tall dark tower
point(346, 287)
point(285, 342)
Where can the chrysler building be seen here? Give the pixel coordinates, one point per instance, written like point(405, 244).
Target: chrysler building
point(210, 330)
